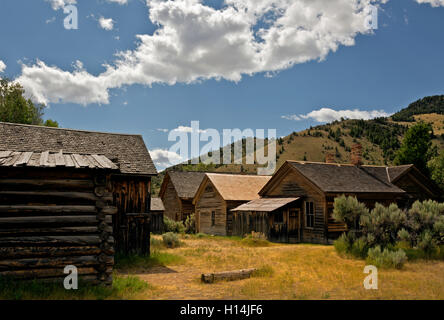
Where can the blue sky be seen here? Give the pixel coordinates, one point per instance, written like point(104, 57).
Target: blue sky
point(382, 71)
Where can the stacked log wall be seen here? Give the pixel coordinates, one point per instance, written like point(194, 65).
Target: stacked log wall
point(51, 218)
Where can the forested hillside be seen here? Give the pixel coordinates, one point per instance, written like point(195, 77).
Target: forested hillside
point(380, 138)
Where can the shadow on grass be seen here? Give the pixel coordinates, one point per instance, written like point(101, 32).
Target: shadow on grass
point(122, 288)
point(157, 262)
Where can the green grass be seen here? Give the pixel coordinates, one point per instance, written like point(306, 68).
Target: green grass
point(122, 288)
point(157, 258)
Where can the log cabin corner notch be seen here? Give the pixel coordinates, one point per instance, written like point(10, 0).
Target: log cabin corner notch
point(129, 183)
point(315, 185)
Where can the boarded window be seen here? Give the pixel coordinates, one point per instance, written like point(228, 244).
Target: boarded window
point(213, 218)
point(309, 214)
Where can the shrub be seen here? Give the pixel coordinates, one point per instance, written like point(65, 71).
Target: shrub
point(190, 224)
point(348, 210)
point(427, 244)
point(386, 258)
point(344, 243)
point(347, 244)
point(359, 248)
point(171, 240)
point(173, 226)
point(426, 216)
point(382, 225)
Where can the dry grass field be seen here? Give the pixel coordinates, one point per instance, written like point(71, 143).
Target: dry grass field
point(287, 272)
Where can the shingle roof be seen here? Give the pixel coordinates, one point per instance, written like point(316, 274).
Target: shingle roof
point(237, 187)
point(265, 204)
point(157, 204)
point(186, 183)
point(346, 178)
point(129, 151)
point(49, 159)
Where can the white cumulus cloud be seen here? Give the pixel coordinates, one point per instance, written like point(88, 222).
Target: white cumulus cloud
point(187, 129)
point(2, 66)
point(329, 115)
point(121, 2)
point(196, 42)
point(106, 23)
point(165, 158)
point(60, 4)
point(433, 3)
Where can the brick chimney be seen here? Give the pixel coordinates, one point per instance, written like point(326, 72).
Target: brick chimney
point(329, 158)
point(356, 154)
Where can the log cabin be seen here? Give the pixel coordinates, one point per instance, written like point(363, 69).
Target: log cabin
point(177, 192)
point(71, 197)
point(296, 205)
point(218, 194)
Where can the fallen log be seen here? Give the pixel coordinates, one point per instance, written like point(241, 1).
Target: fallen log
point(227, 275)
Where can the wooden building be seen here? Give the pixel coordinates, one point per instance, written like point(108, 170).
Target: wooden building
point(71, 197)
point(218, 194)
point(177, 192)
point(157, 212)
point(296, 205)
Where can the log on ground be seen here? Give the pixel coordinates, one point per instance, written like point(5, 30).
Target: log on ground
point(227, 275)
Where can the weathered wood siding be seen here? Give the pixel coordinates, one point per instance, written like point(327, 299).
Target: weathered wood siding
point(132, 195)
point(51, 218)
point(156, 222)
point(294, 185)
point(187, 209)
point(285, 230)
point(208, 202)
point(171, 202)
point(416, 187)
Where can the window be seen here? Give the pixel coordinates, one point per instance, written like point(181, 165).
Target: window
point(309, 214)
point(213, 218)
point(279, 217)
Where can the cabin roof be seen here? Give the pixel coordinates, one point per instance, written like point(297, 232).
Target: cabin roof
point(49, 159)
point(186, 183)
point(265, 204)
point(339, 178)
point(157, 204)
point(236, 187)
point(127, 150)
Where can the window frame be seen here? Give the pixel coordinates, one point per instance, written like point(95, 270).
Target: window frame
point(309, 214)
point(213, 218)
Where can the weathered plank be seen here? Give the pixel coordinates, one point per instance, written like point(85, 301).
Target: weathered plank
point(58, 194)
point(61, 262)
point(227, 275)
point(44, 159)
point(45, 273)
point(47, 209)
point(59, 159)
point(50, 240)
point(54, 220)
point(52, 251)
point(23, 159)
point(47, 183)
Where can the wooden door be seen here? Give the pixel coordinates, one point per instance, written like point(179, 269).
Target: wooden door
point(294, 225)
